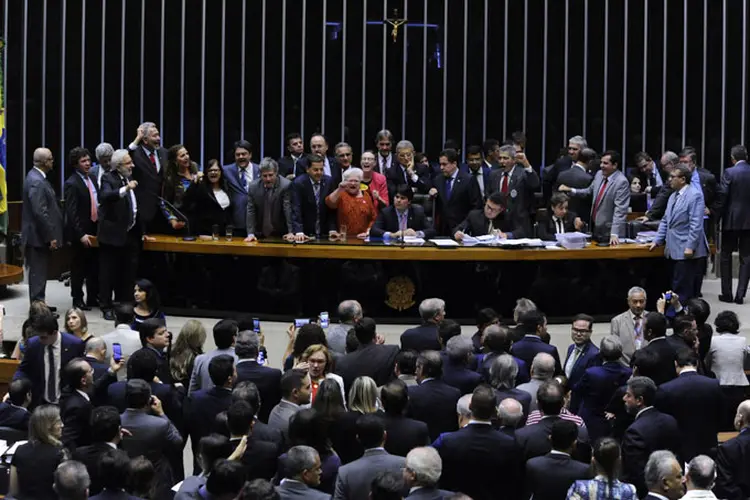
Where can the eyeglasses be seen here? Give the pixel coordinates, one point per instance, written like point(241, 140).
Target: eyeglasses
point(577, 330)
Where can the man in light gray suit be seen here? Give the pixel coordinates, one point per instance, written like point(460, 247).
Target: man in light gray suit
point(355, 479)
point(150, 435)
point(422, 473)
point(270, 209)
point(296, 389)
point(129, 339)
point(42, 223)
point(225, 333)
point(629, 325)
point(610, 194)
point(302, 475)
point(682, 230)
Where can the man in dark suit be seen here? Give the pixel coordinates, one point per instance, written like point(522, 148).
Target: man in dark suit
point(41, 224)
point(14, 412)
point(492, 219)
point(577, 176)
point(81, 215)
point(404, 434)
point(294, 163)
point(248, 392)
point(405, 172)
point(260, 457)
point(478, 169)
point(655, 332)
point(497, 341)
point(202, 406)
point(302, 474)
point(113, 468)
point(402, 218)
point(331, 168)
point(119, 233)
point(266, 379)
point(75, 405)
point(425, 336)
point(240, 175)
point(46, 355)
point(649, 171)
point(149, 164)
point(459, 353)
point(106, 435)
point(531, 324)
point(477, 458)
point(384, 144)
point(733, 206)
point(433, 401)
point(518, 182)
point(663, 477)
point(561, 220)
point(311, 190)
point(502, 374)
point(733, 459)
point(651, 431)
point(422, 472)
point(270, 206)
point(582, 354)
point(696, 402)
point(456, 192)
point(370, 359)
point(548, 477)
point(576, 145)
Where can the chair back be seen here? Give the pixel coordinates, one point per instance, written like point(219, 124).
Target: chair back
point(11, 435)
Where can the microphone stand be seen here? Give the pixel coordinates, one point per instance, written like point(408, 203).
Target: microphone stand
point(189, 236)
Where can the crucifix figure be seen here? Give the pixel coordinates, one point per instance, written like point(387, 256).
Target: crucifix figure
point(396, 22)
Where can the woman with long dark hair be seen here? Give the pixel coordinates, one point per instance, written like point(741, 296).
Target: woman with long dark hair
point(147, 302)
point(181, 173)
point(605, 485)
point(208, 203)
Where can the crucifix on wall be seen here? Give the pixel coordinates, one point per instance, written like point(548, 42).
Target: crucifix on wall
point(396, 22)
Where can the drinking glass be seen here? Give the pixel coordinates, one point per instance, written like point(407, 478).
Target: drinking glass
point(342, 230)
point(215, 232)
point(229, 232)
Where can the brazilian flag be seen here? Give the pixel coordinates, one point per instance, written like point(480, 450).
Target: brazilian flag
point(3, 182)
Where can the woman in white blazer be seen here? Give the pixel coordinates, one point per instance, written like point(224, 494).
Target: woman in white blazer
point(726, 358)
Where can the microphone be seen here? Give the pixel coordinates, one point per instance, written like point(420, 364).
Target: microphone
point(189, 236)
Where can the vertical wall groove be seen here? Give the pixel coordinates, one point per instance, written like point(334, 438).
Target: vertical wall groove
point(223, 78)
point(323, 73)
point(565, 70)
point(744, 72)
point(143, 55)
point(585, 63)
point(283, 79)
point(484, 66)
point(645, 75)
point(122, 75)
point(63, 58)
point(684, 68)
point(405, 34)
point(605, 74)
point(664, 82)
point(242, 69)
point(104, 72)
point(384, 68)
point(83, 71)
point(505, 69)
point(525, 58)
point(182, 74)
point(723, 83)
point(343, 75)
point(463, 105)
point(162, 59)
point(544, 82)
point(705, 91)
point(24, 87)
point(263, 82)
point(203, 83)
point(363, 111)
point(424, 79)
point(625, 87)
point(44, 68)
point(304, 56)
point(445, 68)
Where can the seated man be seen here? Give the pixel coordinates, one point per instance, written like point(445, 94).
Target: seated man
point(14, 412)
point(492, 219)
point(402, 218)
point(561, 220)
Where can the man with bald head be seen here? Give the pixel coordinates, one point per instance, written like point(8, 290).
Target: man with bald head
point(700, 476)
point(509, 416)
point(542, 370)
point(41, 225)
point(733, 459)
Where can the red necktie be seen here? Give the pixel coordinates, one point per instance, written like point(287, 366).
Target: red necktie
point(152, 157)
point(504, 185)
point(599, 199)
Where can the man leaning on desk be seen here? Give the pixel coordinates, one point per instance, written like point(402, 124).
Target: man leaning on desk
point(402, 218)
point(492, 219)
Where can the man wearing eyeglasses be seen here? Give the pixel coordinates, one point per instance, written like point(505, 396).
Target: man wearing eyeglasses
point(582, 354)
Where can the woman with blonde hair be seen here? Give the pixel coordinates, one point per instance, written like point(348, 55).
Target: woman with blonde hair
point(363, 400)
point(77, 324)
point(34, 463)
point(187, 346)
point(318, 362)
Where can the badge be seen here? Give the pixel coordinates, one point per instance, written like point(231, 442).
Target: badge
point(513, 193)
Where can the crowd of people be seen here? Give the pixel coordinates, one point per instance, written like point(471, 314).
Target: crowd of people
point(499, 414)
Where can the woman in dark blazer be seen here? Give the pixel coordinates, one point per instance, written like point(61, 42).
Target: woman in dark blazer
point(208, 203)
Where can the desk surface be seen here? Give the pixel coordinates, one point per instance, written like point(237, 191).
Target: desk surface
point(10, 275)
point(356, 249)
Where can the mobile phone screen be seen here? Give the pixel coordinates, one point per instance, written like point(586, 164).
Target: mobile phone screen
point(117, 352)
point(256, 325)
point(299, 322)
point(324, 319)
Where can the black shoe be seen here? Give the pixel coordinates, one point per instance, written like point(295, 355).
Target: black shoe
point(739, 300)
point(80, 305)
point(726, 298)
point(109, 315)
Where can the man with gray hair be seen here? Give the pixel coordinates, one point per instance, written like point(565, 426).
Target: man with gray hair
point(149, 159)
point(103, 153)
point(119, 234)
point(542, 370)
point(422, 474)
point(733, 459)
point(630, 325)
point(503, 373)
point(344, 155)
point(105, 373)
point(349, 312)
point(270, 210)
point(510, 415)
point(700, 476)
point(384, 144)
point(405, 172)
point(459, 352)
point(302, 475)
point(265, 378)
point(663, 477)
point(71, 481)
point(425, 336)
point(463, 413)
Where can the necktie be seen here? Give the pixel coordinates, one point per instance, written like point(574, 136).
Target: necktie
point(559, 225)
point(598, 200)
point(51, 378)
point(448, 188)
point(490, 228)
point(267, 208)
point(316, 191)
point(243, 178)
point(406, 178)
point(504, 185)
point(92, 196)
point(402, 220)
point(131, 217)
point(152, 157)
point(572, 361)
point(638, 330)
point(383, 164)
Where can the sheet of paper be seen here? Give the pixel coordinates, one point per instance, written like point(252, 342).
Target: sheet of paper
point(413, 240)
point(444, 243)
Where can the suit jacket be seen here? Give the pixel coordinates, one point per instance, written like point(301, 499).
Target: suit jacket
point(114, 495)
point(260, 458)
point(305, 209)
point(129, 341)
point(548, 477)
point(42, 220)
point(395, 176)
point(280, 416)
point(169, 397)
point(733, 204)
point(552, 172)
point(709, 189)
point(546, 228)
point(477, 460)
point(486, 172)
point(373, 360)
point(75, 412)
point(460, 376)
point(200, 378)
point(589, 357)
point(531, 345)
point(534, 440)
point(429, 494)
point(404, 434)
point(659, 203)
point(521, 188)
point(651, 431)
point(201, 408)
point(665, 354)
point(726, 358)
point(282, 208)
point(522, 397)
point(623, 326)
point(355, 479)
point(203, 210)
point(288, 165)
point(149, 181)
point(614, 204)
point(32, 365)
point(78, 207)
point(576, 177)
point(268, 381)
point(116, 212)
point(421, 338)
point(434, 403)
point(477, 224)
point(733, 468)
point(464, 198)
point(90, 456)
point(238, 194)
point(697, 403)
point(15, 417)
point(682, 226)
point(595, 390)
point(387, 222)
point(295, 490)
